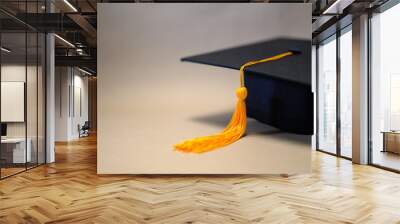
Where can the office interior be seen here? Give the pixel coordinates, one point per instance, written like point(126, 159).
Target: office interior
point(334, 90)
point(48, 80)
point(23, 100)
point(27, 62)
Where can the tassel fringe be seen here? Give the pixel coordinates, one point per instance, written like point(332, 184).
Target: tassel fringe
point(233, 132)
point(236, 127)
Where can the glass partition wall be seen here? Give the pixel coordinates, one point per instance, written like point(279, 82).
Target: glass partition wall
point(385, 89)
point(22, 98)
point(327, 95)
point(334, 87)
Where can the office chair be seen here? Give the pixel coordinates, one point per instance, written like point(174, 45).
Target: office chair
point(84, 130)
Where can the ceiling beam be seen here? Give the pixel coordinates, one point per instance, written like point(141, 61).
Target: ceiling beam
point(81, 61)
point(84, 24)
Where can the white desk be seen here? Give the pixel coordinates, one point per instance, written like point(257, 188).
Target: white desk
point(18, 149)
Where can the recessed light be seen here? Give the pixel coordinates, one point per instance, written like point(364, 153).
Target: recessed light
point(5, 50)
point(64, 40)
point(70, 5)
point(337, 7)
point(84, 71)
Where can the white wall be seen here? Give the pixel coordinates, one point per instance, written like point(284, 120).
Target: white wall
point(148, 100)
point(13, 101)
point(33, 127)
point(69, 82)
point(62, 81)
point(12, 73)
point(80, 110)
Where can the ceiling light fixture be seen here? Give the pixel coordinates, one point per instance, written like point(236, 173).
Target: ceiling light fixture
point(337, 7)
point(70, 5)
point(326, 11)
point(64, 40)
point(5, 50)
point(84, 71)
point(79, 51)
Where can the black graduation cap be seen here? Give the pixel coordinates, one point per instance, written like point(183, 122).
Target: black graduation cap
point(279, 92)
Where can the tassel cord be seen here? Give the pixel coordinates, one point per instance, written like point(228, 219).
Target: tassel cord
point(250, 63)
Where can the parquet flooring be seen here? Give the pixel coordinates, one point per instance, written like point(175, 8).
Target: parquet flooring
point(5, 172)
point(69, 191)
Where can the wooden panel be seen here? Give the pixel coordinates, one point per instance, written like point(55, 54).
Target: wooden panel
point(70, 191)
point(92, 100)
point(392, 142)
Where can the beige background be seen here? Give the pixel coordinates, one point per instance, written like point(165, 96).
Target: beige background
point(148, 100)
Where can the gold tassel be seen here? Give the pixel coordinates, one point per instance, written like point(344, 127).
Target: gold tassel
point(236, 127)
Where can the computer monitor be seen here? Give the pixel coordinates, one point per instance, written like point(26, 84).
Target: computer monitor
point(3, 129)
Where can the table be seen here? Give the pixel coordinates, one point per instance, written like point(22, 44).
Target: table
point(391, 141)
point(13, 150)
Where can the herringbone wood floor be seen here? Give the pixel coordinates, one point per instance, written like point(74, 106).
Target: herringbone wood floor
point(69, 191)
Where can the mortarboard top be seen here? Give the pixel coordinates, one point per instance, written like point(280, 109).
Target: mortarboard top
point(279, 92)
point(296, 68)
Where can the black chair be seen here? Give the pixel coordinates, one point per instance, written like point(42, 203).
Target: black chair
point(84, 130)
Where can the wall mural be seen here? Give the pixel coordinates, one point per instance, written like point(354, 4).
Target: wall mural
point(172, 75)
